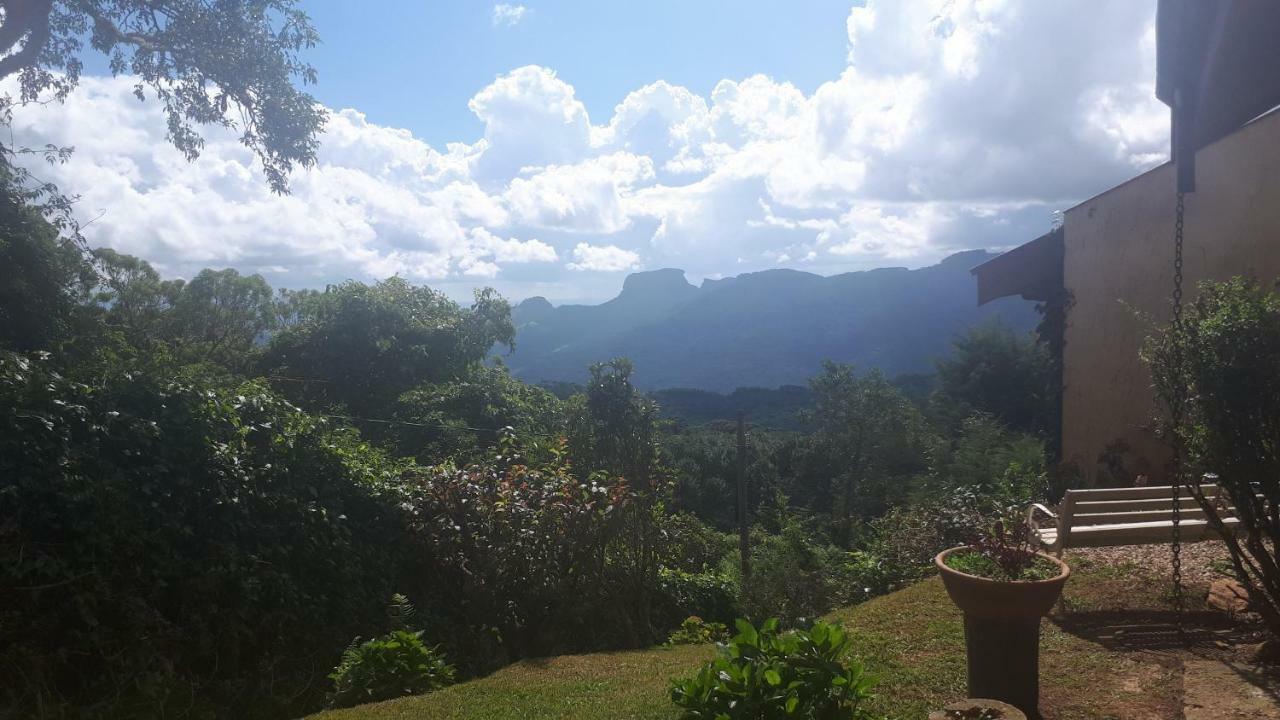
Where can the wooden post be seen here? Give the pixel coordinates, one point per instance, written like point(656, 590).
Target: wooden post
point(744, 527)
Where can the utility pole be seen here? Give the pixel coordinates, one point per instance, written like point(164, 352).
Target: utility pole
point(744, 537)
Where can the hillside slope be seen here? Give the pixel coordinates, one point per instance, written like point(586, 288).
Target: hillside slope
point(912, 640)
point(763, 329)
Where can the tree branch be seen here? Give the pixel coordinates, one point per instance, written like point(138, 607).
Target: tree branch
point(23, 18)
point(108, 28)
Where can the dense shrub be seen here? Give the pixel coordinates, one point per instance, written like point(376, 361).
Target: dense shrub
point(691, 545)
point(696, 631)
point(1221, 367)
point(908, 537)
point(796, 576)
point(394, 665)
point(170, 547)
point(989, 461)
point(762, 674)
point(441, 416)
point(522, 555)
point(712, 595)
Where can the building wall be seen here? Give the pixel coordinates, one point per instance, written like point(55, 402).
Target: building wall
point(1119, 268)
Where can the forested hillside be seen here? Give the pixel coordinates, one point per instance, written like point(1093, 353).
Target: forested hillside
point(763, 329)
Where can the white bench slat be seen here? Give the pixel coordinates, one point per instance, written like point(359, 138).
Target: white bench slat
point(1141, 533)
point(1103, 506)
point(1152, 492)
point(1113, 518)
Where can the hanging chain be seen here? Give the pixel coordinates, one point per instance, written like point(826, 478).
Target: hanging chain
point(1176, 413)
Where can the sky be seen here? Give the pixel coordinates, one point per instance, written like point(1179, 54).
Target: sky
point(551, 148)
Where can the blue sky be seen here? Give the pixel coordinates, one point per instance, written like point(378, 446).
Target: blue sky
point(415, 64)
point(551, 148)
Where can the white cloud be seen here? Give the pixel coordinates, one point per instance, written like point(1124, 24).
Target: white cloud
point(603, 258)
point(591, 196)
point(508, 15)
point(955, 124)
point(531, 119)
point(512, 250)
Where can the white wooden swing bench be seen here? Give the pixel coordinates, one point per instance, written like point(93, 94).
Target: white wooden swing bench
point(1106, 517)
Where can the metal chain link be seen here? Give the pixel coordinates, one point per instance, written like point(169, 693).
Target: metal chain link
point(1175, 418)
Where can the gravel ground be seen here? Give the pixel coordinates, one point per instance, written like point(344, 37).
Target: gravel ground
point(1156, 560)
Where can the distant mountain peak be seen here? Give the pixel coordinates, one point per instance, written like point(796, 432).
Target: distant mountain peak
point(537, 302)
point(970, 258)
point(658, 283)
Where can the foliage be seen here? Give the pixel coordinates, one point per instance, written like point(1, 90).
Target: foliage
point(869, 440)
point(764, 674)
point(778, 409)
point(709, 594)
point(796, 577)
point(704, 463)
point(696, 631)
point(613, 427)
point(1005, 550)
point(206, 63)
point(1221, 368)
point(394, 665)
point(982, 565)
point(524, 551)
point(171, 547)
point(691, 545)
point(46, 280)
point(220, 316)
point(994, 370)
point(133, 297)
point(357, 348)
point(907, 538)
point(1004, 468)
point(455, 419)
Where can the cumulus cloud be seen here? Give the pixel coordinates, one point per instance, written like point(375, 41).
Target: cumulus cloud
point(603, 258)
point(954, 124)
point(508, 15)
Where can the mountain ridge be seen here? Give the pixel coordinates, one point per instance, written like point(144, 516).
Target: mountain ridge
point(761, 329)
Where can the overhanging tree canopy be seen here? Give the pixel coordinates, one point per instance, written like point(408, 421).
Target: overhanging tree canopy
point(232, 63)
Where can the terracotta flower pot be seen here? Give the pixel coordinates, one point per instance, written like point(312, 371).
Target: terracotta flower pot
point(1002, 630)
point(974, 706)
point(1000, 599)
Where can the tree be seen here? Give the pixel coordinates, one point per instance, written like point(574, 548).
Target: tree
point(994, 370)
point(134, 296)
point(456, 419)
point(221, 316)
point(613, 427)
point(45, 281)
point(869, 441)
point(201, 59)
point(357, 348)
point(613, 431)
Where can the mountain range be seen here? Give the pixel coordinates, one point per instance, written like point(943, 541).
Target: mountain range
point(761, 329)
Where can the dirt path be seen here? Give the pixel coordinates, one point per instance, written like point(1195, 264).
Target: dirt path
point(1127, 609)
point(1219, 690)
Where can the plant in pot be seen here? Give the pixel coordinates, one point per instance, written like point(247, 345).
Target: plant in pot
point(1004, 585)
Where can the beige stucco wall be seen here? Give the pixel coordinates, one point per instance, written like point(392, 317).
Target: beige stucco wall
point(1119, 263)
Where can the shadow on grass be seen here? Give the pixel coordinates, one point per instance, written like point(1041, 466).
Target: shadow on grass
point(1129, 630)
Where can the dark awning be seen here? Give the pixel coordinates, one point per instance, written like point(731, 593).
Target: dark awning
point(1032, 270)
point(1217, 68)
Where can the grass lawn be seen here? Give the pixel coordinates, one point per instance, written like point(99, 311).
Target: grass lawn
point(912, 639)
